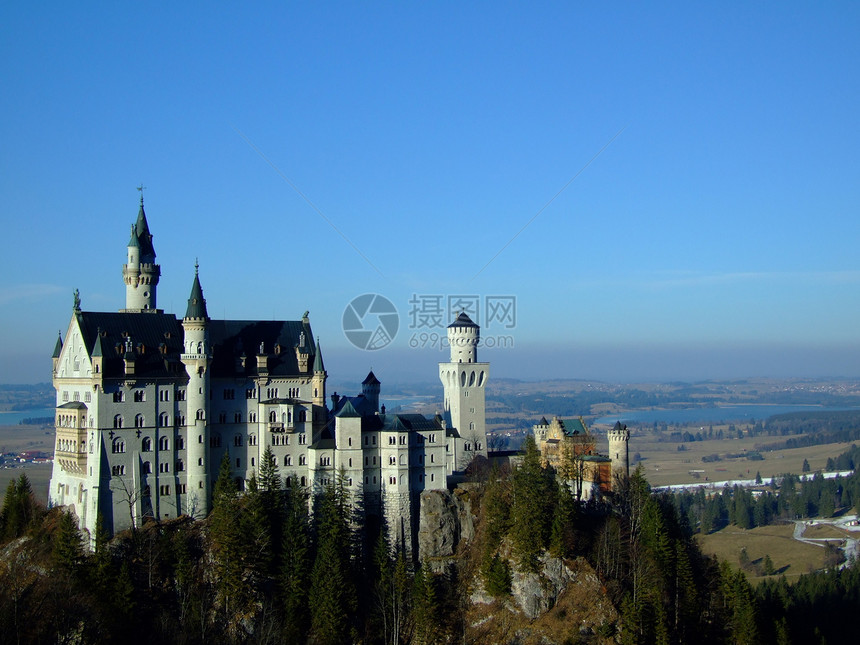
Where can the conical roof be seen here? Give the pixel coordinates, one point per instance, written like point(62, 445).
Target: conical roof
point(196, 301)
point(141, 227)
point(463, 320)
point(371, 379)
point(318, 359)
point(58, 347)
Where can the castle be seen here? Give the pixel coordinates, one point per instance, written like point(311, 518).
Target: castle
point(149, 404)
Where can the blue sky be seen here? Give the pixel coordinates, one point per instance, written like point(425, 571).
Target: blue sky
point(716, 236)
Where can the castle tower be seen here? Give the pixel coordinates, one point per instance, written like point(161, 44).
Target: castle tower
point(196, 359)
point(464, 379)
point(140, 273)
point(319, 377)
point(619, 444)
point(370, 389)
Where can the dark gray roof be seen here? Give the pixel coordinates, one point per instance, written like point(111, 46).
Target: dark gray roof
point(371, 379)
point(318, 360)
point(347, 410)
point(58, 346)
point(155, 337)
point(228, 339)
point(196, 301)
point(144, 237)
point(462, 321)
point(73, 405)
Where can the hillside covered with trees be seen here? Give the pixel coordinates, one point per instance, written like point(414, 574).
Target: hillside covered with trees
point(263, 569)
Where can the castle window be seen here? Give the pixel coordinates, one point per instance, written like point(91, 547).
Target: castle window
point(201, 415)
point(432, 477)
point(251, 393)
point(117, 470)
point(350, 462)
point(181, 419)
point(303, 439)
point(302, 462)
point(374, 460)
point(118, 397)
point(477, 445)
point(180, 443)
point(88, 397)
point(164, 395)
point(253, 462)
point(222, 418)
point(229, 394)
point(392, 460)
point(146, 469)
point(392, 441)
point(117, 421)
point(139, 396)
point(288, 460)
point(273, 416)
point(200, 461)
point(146, 444)
point(374, 479)
point(366, 439)
point(65, 395)
point(432, 458)
point(374, 440)
point(238, 462)
point(138, 420)
point(237, 417)
point(215, 441)
point(180, 466)
point(163, 420)
point(303, 481)
point(164, 467)
point(402, 440)
point(471, 425)
point(77, 396)
point(302, 416)
point(237, 440)
point(180, 395)
point(349, 441)
point(366, 460)
point(164, 490)
point(181, 489)
point(163, 443)
point(252, 417)
point(252, 440)
point(118, 446)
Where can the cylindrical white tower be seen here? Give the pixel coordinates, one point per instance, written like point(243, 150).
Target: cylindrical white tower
point(463, 338)
point(196, 360)
point(619, 445)
point(141, 273)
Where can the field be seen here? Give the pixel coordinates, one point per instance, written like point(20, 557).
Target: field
point(38, 474)
point(664, 464)
point(18, 438)
point(790, 557)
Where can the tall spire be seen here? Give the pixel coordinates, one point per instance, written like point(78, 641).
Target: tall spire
point(141, 227)
point(318, 359)
point(196, 301)
point(59, 346)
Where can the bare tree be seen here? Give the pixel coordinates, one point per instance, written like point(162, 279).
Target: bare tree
point(130, 494)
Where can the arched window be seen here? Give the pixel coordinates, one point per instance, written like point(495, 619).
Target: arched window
point(146, 469)
point(273, 416)
point(146, 444)
point(201, 415)
point(138, 420)
point(180, 443)
point(118, 446)
point(117, 421)
point(163, 420)
point(302, 416)
point(163, 443)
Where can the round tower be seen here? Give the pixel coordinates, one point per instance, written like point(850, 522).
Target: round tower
point(370, 389)
point(196, 359)
point(141, 273)
point(619, 444)
point(463, 338)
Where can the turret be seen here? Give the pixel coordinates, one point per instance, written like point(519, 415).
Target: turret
point(196, 359)
point(619, 445)
point(58, 348)
point(140, 273)
point(464, 337)
point(370, 389)
point(319, 377)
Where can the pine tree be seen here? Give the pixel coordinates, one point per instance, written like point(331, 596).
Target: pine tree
point(332, 592)
point(426, 609)
point(295, 566)
point(531, 512)
point(227, 543)
point(68, 552)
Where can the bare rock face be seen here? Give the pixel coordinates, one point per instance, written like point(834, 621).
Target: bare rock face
point(537, 593)
point(445, 520)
